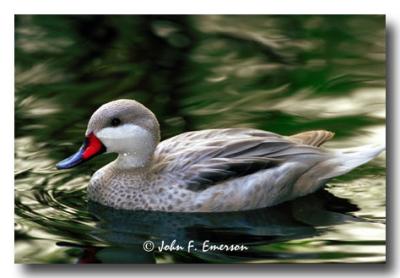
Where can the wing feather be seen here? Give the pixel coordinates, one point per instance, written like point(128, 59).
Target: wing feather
point(205, 158)
point(200, 177)
point(312, 138)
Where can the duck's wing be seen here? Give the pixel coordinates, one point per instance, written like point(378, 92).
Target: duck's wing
point(204, 158)
point(313, 138)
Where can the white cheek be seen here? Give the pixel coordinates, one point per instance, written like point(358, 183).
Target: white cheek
point(127, 139)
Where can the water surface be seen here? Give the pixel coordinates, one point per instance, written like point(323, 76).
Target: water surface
point(284, 74)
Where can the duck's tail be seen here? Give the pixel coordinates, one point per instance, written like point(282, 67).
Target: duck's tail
point(347, 160)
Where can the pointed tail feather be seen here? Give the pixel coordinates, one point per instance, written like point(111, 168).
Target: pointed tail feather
point(350, 159)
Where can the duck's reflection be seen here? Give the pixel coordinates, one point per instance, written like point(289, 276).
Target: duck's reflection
point(126, 231)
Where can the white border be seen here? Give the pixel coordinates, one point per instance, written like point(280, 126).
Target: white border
point(201, 7)
point(7, 11)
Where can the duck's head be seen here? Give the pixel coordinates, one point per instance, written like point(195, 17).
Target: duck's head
point(122, 126)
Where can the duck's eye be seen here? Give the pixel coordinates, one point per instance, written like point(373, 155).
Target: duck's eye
point(115, 122)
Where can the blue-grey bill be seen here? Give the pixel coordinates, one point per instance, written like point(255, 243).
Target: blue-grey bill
point(72, 161)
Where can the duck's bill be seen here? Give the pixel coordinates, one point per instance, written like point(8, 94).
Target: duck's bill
point(90, 148)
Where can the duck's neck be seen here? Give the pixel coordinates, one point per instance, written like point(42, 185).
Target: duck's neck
point(127, 161)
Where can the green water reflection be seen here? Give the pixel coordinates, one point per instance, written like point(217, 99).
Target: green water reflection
point(284, 74)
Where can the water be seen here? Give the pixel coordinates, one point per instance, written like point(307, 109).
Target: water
point(284, 74)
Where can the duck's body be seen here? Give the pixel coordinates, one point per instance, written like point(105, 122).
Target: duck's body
point(211, 170)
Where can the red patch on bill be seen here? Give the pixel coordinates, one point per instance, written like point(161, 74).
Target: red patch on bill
point(93, 146)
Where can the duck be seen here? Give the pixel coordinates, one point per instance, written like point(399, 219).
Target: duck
point(211, 170)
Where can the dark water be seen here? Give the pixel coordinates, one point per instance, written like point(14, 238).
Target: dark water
point(284, 74)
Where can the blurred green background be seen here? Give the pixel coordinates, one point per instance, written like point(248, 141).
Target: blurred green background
point(284, 74)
